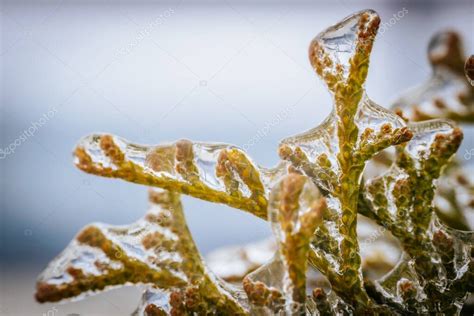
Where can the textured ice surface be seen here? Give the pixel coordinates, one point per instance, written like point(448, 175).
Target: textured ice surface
point(312, 199)
point(447, 94)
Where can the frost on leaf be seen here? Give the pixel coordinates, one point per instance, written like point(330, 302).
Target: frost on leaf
point(314, 199)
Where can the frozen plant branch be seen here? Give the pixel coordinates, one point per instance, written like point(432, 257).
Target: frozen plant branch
point(312, 199)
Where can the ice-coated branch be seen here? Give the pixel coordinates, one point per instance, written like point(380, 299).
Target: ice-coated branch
point(212, 172)
point(447, 94)
point(312, 199)
point(157, 250)
point(401, 200)
point(295, 210)
point(334, 154)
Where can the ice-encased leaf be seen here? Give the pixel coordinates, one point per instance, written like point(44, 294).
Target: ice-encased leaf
point(379, 253)
point(454, 199)
point(213, 172)
point(321, 170)
point(402, 201)
point(447, 94)
point(296, 208)
point(334, 154)
point(157, 250)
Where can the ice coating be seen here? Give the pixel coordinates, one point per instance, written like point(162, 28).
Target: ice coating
point(379, 254)
point(232, 263)
point(404, 287)
point(154, 302)
point(214, 172)
point(103, 255)
point(447, 94)
point(402, 201)
point(334, 154)
point(312, 199)
point(157, 250)
point(296, 209)
point(454, 198)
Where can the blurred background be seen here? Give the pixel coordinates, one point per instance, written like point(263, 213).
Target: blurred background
point(160, 71)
